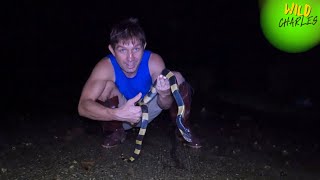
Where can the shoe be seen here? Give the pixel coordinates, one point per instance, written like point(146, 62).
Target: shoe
point(195, 141)
point(115, 138)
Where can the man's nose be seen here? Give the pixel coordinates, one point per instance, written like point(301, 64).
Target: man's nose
point(130, 56)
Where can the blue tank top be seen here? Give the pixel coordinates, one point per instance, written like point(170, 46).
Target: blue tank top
point(141, 82)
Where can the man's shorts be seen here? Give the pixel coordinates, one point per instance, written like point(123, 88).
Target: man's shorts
point(154, 111)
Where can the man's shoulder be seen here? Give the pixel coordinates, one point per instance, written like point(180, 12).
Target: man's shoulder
point(156, 65)
point(155, 58)
point(105, 63)
point(104, 69)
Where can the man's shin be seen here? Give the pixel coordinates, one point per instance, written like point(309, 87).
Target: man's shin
point(110, 126)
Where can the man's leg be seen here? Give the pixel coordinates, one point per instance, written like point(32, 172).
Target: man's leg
point(112, 130)
point(186, 93)
point(153, 109)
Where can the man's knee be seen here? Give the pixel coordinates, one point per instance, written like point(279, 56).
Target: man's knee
point(111, 88)
point(179, 77)
point(110, 84)
point(110, 91)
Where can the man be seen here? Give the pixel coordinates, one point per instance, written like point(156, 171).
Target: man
point(119, 80)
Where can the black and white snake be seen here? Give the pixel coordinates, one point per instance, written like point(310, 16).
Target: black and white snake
point(185, 132)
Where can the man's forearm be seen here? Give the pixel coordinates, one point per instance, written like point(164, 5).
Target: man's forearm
point(165, 102)
point(95, 111)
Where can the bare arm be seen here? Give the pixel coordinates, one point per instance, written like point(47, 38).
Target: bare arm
point(156, 65)
point(128, 112)
point(95, 88)
point(88, 107)
point(92, 90)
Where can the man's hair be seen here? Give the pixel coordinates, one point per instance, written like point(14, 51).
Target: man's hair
point(127, 29)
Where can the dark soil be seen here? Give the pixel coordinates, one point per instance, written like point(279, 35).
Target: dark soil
point(238, 143)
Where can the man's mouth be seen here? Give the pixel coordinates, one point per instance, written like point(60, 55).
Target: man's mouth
point(130, 65)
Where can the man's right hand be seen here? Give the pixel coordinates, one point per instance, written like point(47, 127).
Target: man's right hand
point(129, 112)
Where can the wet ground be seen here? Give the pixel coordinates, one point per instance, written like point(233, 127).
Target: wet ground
point(239, 142)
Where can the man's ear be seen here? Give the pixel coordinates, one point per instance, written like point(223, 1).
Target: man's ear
point(111, 49)
point(145, 44)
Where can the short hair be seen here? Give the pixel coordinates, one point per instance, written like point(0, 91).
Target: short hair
point(127, 29)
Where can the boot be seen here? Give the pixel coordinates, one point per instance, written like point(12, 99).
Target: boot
point(186, 92)
point(112, 130)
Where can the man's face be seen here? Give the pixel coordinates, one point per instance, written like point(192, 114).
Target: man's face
point(129, 54)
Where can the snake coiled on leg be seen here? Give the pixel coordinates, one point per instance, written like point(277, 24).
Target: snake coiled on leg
point(185, 132)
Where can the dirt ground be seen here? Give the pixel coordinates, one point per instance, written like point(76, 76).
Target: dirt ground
point(237, 144)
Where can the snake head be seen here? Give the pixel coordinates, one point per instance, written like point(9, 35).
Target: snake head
point(186, 136)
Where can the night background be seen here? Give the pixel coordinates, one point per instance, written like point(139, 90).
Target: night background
point(50, 47)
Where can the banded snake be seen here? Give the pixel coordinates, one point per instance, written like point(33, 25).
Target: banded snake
point(185, 132)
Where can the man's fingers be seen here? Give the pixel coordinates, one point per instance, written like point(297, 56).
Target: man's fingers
point(138, 110)
point(162, 83)
point(137, 117)
point(161, 80)
point(135, 99)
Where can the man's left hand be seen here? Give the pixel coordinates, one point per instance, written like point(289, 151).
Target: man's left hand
point(163, 86)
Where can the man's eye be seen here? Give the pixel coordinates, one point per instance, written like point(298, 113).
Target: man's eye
point(136, 49)
point(122, 50)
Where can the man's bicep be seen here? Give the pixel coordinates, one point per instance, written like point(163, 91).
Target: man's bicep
point(93, 89)
point(97, 80)
point(103, 71)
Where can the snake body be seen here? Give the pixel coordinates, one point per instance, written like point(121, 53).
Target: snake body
point(185, 132)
